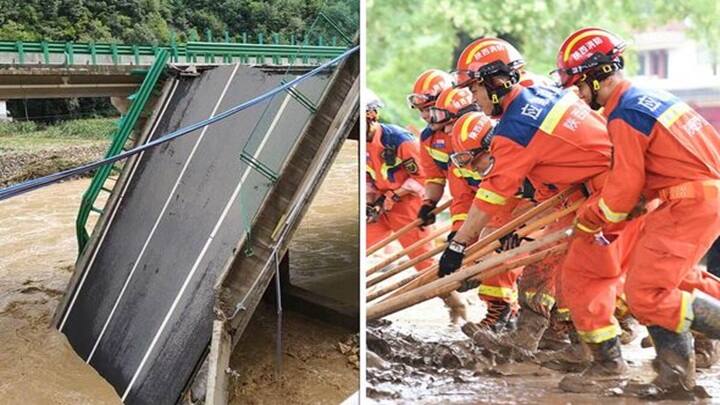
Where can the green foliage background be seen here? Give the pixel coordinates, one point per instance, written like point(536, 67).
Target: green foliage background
point(153, 22)
point(405, 38)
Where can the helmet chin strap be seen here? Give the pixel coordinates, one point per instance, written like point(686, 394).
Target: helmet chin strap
point(496, 93)
point(593, 78)
point(594, 88)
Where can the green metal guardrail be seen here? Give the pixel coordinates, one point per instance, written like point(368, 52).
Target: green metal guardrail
point(126, 124)
point(187, 52)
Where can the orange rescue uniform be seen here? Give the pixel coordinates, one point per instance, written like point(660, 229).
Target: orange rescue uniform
point(662, 148)
point(387, 174)
point(463, 184)
point(553, 138)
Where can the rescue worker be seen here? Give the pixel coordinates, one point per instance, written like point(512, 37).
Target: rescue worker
point(499, 293)
point(538, 296)
point(551, 137)
point(661, 148)
point(395, 191)
point(434, 142)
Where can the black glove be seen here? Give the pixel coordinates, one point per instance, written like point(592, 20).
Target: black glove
point(371, 213)
point(511, 241)
point(450, 236)
point(451, 258)
point(426, 214)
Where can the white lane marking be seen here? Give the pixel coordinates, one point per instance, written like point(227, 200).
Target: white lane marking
point(157, 221)
point(117, 205)
point(195, 266)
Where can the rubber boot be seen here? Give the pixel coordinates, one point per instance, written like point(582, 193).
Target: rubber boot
point(456, 306)
point(555, 337)
point(675, 361)
point(706, 315)
point(520, 343)
point(607, 370)
point(707, 351)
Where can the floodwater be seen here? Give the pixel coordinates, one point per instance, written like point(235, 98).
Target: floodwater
point(38, 251)
point(425, 360)
point(324, 253)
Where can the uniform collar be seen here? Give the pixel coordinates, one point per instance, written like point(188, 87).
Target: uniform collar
point(377, 135)
point(509, 98)
point(614, 98)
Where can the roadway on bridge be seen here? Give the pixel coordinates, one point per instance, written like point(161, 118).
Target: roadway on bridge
point(141, 311)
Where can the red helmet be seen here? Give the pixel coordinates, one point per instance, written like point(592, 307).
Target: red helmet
point(486, 57)
point(428, 86)
point(587, 49)
point(451, 104)
point(471, 135)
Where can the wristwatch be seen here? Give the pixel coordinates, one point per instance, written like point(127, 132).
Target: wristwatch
point(457, 247)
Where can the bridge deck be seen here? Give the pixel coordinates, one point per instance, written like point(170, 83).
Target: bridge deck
point(139, 308)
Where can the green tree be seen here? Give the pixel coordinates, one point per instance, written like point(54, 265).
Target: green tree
point(405, 38)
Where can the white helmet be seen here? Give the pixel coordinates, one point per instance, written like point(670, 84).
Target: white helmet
point(372, 101)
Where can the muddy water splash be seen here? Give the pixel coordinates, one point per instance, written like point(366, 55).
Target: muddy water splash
point(418, 358)
point(37, 252)
point(324, 250)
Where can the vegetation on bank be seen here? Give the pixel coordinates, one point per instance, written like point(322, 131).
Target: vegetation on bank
point(30, 150)
point(89, 129)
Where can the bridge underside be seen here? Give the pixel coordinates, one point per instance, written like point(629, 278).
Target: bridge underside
point(28, 81)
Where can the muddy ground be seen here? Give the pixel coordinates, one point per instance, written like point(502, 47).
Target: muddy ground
point(419, 358)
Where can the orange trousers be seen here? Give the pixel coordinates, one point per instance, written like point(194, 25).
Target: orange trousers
point(661, 273)
point(591, 280)
point(403, 212)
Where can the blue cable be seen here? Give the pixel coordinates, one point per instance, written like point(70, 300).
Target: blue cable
point(34, 184)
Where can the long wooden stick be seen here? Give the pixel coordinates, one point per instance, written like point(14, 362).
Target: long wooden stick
point(452, 282)
point(382, 290)
point(405, 229)
point(434, 234)
point(492, 239)
point(530, 228)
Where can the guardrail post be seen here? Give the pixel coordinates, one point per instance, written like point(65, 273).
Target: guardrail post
point(114, 51)
point(20, 51)
point(93, 53)
point(69, 54)
point(45, 51)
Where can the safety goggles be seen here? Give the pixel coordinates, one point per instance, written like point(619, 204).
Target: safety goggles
point(463, 159)
point(420, 101)
point(440, 116)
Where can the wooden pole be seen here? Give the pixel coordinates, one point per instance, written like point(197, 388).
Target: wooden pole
point(434, 234)
point(530, 228)
point(405, 229)
point(382, 290)
point(429, 274)
point(452, 282)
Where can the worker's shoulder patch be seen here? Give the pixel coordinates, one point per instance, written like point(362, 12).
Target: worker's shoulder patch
point(410, 165)
point(426, 133)
point(393, 135)
point(641, 108)
point(526, 113)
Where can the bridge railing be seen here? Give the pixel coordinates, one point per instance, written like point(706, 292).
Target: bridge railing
point(71, 53)
point(126, 125)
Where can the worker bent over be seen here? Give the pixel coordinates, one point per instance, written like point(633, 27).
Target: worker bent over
point(395, 191)
point(552, 138)
point(662, 148)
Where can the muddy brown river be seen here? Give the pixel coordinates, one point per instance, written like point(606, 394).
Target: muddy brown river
point(38, 250)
